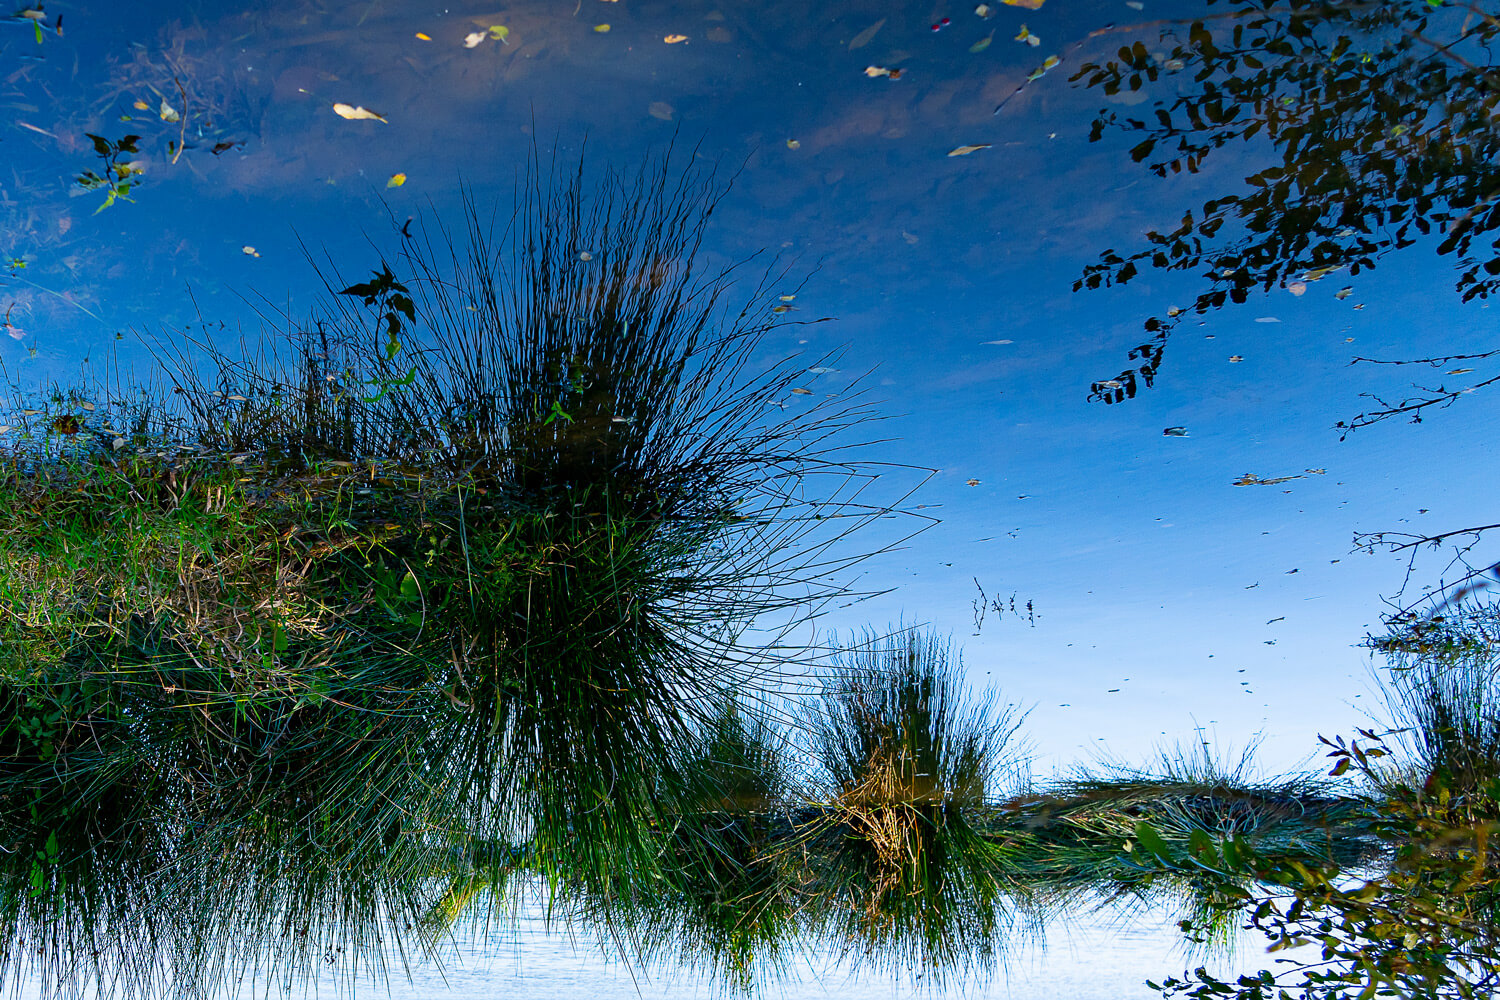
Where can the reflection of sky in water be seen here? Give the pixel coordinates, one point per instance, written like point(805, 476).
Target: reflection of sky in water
point(1237, 609)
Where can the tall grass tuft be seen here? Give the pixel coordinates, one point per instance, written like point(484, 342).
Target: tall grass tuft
point(907, 764)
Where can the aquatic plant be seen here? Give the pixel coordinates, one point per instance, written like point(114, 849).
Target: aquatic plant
point(906, 765)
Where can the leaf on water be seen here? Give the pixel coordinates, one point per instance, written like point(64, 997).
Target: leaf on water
point(87, 406)
point(585, 256)
point(1041, 70)
point(1319, 273)
point(117, 443)
point(999, 342)
point(674, 39)
point(1028, 4)
point(966, 150)
point(1459, 371)
point(1297, 287)
point(500, 33)
point(249, 251)
point(396, 181)
point(862, 39)
point(423, 36)
point(1267, 319)
point(793, 144)
point(473, 39)
point(821, 371)
point(1025, 35)
point(875, 71)
point(1135, 4)
point(141, 106)
point(971, 482)
point(984, 10)
point(660, 109)
point(357, 113)
point(802, 392)
point(601, 28)
point(1235, 359)
point(1174, 432)
point(984, 42)
point(1251, 479)
point(168, 113)
point(1344, 293)
point(788, 298)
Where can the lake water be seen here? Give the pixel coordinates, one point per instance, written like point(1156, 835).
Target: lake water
point(926, 173)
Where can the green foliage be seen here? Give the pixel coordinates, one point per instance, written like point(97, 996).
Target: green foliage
point(1379, 123)
point(117, 181)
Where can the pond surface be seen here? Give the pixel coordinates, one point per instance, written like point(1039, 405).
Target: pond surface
point(1175, 568)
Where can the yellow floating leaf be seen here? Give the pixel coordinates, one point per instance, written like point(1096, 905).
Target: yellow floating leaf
point(141, 106)
point(802, 392)
point(966, 150)
point(674, 39)
point(250, 251)
point(1028, 4)
point(424, 36)
point(356, 113)
point(601, 28)
point(396, 181)
point(500, 33)
point(874, 71)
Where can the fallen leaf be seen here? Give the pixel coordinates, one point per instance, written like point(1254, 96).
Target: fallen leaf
point(601, 28)
point(1028, 4)
point(1297, 287)
point(984, 42)
point(1041, 70)
point(1174, 432)
point(473, 38)
point(141, 106)
point(822, 371)
point(802, 392)
point(660, 109)
point(424, 37)
point(356, 113)
point(168, 113)
point(999, 342)
point(396, 181)
point(249, 251)
point(1344, 293)
point(1251, 479)
point(966, 150)
point(985, 10)
point(500, 33)
point(1135, 4)
point(220, 148)
point(32, 14)
point(1267, 319)
point(793, 144)
point(862, 39)
point(1026, 36)
point(1235, 359)
point(971, 482)
point(585, 256)
point(1459, 371)
point(87, 406)
point(674, 39)
point(788, 298)
point(874, 71)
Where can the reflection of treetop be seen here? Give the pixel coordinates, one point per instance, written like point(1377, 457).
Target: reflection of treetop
point(1380, 115)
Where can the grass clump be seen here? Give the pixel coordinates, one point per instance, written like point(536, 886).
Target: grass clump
point(907, 765)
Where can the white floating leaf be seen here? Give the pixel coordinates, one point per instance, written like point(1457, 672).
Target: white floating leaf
point(356, 113)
